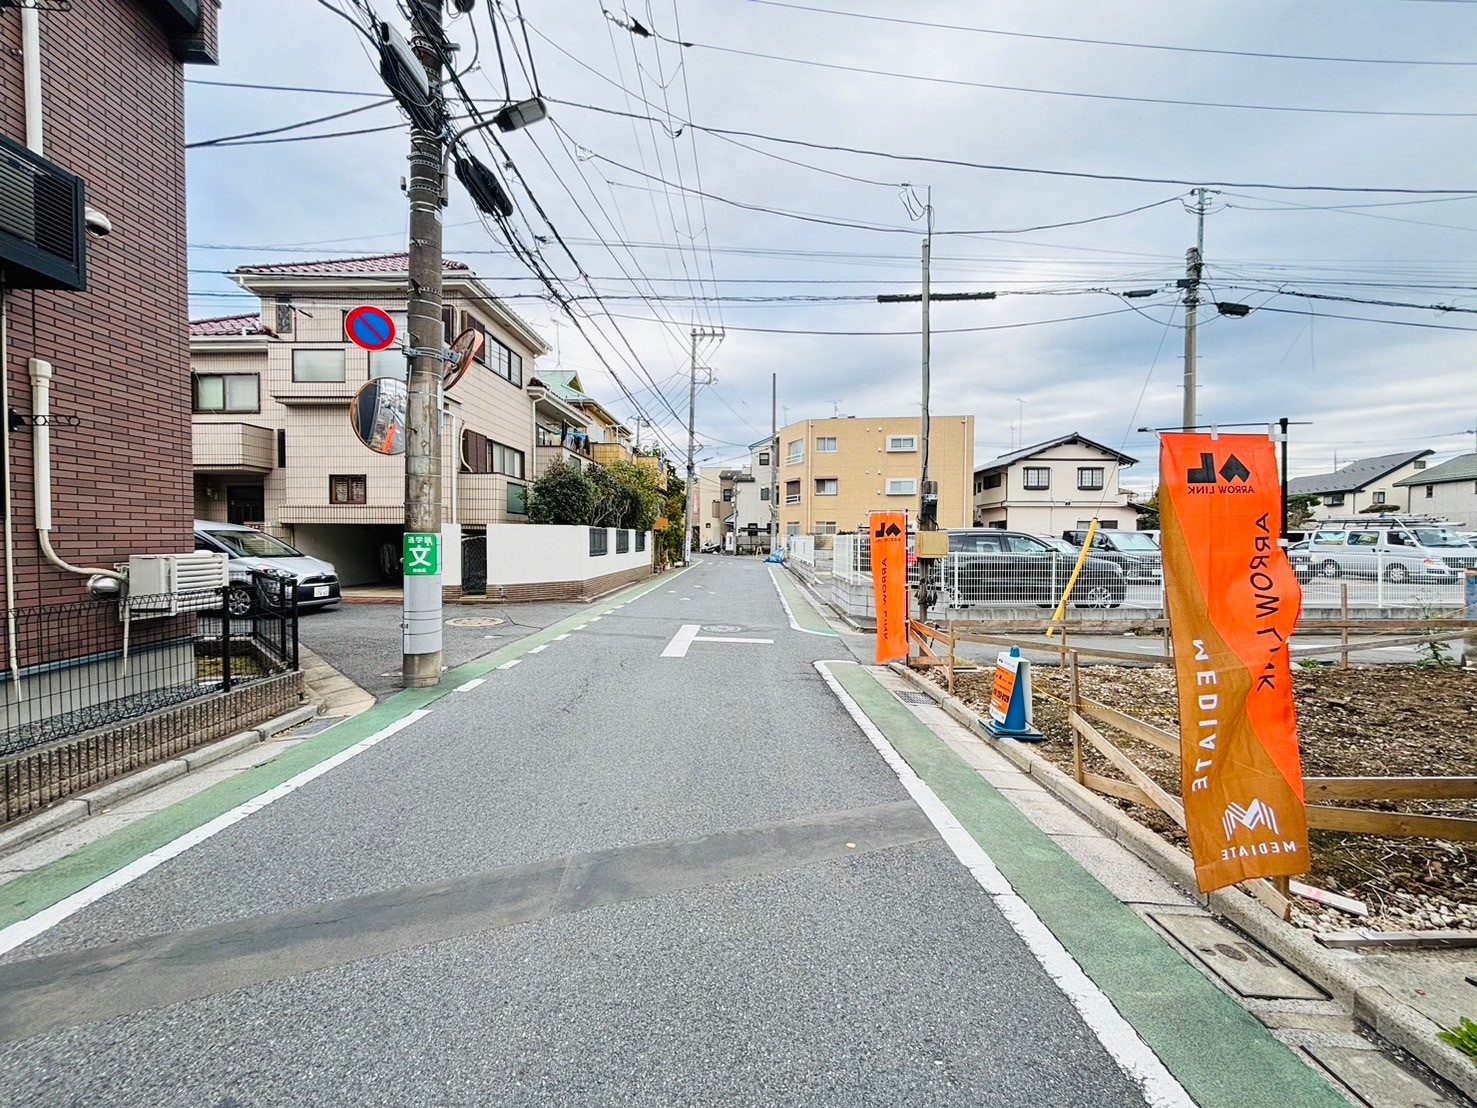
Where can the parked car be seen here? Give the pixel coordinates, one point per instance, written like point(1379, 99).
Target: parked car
point(249, 549)
point(990, 566)
point(1134, 551)
point(1300, 555)
point(1395, 555)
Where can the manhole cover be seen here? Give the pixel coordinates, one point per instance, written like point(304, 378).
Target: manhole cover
point(721, 628)
point(475, 621)
point(913, 697)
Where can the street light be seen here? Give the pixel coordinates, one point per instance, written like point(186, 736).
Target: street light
point(519, 115)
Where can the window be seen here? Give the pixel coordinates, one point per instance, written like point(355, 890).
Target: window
point(992, 481)
point(1024, 544)
point(517, 500)
point(825, 486)
point(795, 452)
point(284, 316)
point(1379, 498)
point(1420, 463)
point(506, 460)
point(1430, 491)
point(599, 541)
point(764, 493)
point(499, 358)
point(1334, 500)
point(1036, 477)
point(1083, 524)
point(792, 492)
point(640, 541)
point(902, 486)
point(1330, 538)
point(348, 489)
point(388, 363)
point(623, 541)
point(233, 392)
point(764, 457)
point(310, 366)
point(728, 496)
point(281, 449)
point(825, 528)
point(791, 530)
point(1090, 478)
point(825, 446)
point(902, 444)
point(1364, 538)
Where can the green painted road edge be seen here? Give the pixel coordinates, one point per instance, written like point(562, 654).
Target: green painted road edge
point(806, 614)
point(1216, 1049)
point(25, 896)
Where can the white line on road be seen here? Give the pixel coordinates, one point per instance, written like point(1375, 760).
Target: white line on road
point(677, 648)
point(510, 665)
point(730, 638)
point(563, 636)
point(790, 614)
point(593, 619)
point(538, 649)
point(26, 929)
point(1119, 1039)
point(470, 685)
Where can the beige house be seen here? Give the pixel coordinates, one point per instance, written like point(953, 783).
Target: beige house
point(1368, 485)
point(1054, 486)
point(834, 472)
point(272, 443)
point(1447, 491)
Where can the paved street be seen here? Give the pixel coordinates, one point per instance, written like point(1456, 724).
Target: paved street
point(631, 859)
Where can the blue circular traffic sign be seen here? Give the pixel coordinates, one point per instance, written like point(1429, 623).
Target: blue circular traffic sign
point(370, 328)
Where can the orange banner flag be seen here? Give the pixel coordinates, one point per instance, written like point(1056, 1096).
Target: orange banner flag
point(889, 532)
point(1233, 601)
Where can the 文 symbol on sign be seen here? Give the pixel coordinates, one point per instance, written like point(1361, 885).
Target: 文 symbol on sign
point(422, 555)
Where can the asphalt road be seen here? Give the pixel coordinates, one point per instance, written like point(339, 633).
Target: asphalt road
point(602, 876)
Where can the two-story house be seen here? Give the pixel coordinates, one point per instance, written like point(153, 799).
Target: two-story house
point(1053, 486)
point(834, 472)
point(1370, 484)
point(1447, 491)
point(273, 445)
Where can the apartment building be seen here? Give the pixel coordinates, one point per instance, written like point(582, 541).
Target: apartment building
point(1054, 486)
point(92, 267)
point(273, 446)
point(834, 472)
point(582, 429)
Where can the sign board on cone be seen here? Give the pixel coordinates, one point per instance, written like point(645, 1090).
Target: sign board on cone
point(890, 584)
point(1233, 600)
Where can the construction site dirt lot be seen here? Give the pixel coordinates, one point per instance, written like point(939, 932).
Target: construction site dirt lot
point(1366, 721)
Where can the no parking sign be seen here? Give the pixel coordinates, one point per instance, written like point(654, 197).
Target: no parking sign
point(371, 328)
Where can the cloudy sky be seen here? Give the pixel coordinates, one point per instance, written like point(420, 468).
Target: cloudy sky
point(785, 246)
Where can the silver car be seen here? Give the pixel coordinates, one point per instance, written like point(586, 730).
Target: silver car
point(249, 549)
point(1377, 554)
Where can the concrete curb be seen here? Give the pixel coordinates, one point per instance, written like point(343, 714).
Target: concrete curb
point(1393, 1019)
point(85, 805)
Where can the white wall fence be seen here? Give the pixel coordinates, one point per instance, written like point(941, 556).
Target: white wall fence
point(532, 555)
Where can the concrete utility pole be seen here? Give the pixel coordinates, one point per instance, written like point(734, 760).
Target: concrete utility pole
point(692, 504)
point(421, 570)
point(1194, 266)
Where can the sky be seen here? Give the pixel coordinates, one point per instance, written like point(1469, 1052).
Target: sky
point(660, 225)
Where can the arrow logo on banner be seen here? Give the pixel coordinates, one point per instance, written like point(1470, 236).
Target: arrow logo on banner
point(1235, 470)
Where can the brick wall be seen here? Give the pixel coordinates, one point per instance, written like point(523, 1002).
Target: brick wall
point(113, 102)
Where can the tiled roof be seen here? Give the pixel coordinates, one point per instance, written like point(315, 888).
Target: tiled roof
point(1461, 468)
point(229, 325)
point(560, 383)
point(347, 267)
point(1040, 447)
point(1355, 475)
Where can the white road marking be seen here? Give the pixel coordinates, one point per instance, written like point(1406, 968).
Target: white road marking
point(593, 619)
point(790, 614)
point(1141, 1065)
point(538, 649)
point(563, 636)
point(677, 648)
point(510, 665)
point(687, 634)
point(26, 929)
point(470, 685)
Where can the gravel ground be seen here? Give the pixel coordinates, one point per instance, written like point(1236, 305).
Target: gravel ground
point(1375, 721)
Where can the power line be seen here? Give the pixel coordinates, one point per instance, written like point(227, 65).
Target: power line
point(227, 139)
point(1115, 43)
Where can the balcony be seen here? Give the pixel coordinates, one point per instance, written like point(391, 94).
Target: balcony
point(608, 452)
point(550, 447)
point(234, 448)
point(657, 466)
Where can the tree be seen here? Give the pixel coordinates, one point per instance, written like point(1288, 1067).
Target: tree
point(563, 494)
point(1148, 517)
point(1300, 507)
point(672, 541)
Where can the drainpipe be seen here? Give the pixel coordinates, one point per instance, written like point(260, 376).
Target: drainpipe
point(10, 636)
point(31, 72)
point(41, 475)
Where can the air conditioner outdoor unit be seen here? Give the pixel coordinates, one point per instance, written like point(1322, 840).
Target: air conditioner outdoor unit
point(43, 231)
point(168, 584)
